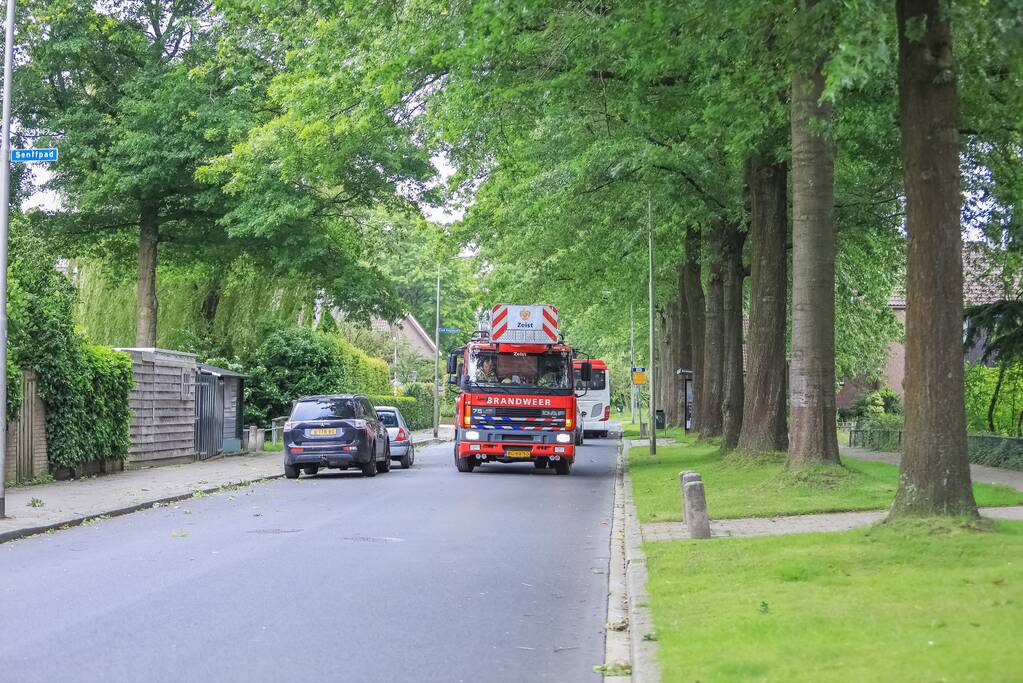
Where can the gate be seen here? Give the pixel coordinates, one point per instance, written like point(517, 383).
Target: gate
point(209, 415)
point(25, 445)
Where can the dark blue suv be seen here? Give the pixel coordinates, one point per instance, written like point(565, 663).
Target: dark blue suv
point(338, 431)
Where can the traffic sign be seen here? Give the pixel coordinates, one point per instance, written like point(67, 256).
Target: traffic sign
point(34, 154)
point(448, 329)
point(639, 375)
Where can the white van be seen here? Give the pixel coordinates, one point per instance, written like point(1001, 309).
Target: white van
point(594, 398)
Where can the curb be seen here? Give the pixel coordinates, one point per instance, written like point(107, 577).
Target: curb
point(117, 512)
point(77, 521)
point(645, 668)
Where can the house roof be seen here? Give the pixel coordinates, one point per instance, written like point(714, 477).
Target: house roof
point(983, 281)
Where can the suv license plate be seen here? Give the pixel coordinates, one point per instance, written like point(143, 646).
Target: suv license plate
point(518, 454)
point(323, 432)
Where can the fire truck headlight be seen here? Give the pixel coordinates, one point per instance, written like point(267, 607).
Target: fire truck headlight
point(472, 435)
point(564, 438)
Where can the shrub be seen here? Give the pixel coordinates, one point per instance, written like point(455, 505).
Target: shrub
point(417, 413)
point(297, 361)
point(84, 389)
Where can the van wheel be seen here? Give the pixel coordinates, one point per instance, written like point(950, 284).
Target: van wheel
point(563, 467)
point(291, 471)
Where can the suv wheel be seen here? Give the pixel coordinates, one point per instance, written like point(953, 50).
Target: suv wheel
point(369, 469)
point(311, 469)
point(291, 471)
point(385, 464)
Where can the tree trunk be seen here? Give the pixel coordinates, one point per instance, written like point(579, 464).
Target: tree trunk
point(813, 435)
point(732, 277)
point(713, 343)
point(994, 399)
point(934, 476)
point(683, 358)
point(696, 304)
point(149, 238)
point(763, 414)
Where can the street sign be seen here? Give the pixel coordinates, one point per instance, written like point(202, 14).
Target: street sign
point(639, 375)
point(41, 154)
point(449, 329)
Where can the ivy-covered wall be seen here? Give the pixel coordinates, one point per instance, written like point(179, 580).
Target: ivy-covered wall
point(84, 388)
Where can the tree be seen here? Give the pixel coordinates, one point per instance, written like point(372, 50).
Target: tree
point(764, 426)
point(812, 431)
point(115, 82)
point(934, 475)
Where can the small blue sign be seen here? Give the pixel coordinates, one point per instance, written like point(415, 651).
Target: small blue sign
point(41, 154)
point(639, 369)
point(449, 329)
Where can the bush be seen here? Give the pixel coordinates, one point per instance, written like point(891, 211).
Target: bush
point(297, 361)
point(879, 433)
point(417, 413)
point(876, 403)
point(84, 389)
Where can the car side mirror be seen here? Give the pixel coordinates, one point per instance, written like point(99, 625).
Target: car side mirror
point(585, 371)
point(452, 366)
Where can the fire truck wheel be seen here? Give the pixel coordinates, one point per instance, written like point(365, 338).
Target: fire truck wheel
point(540, 463)
point(464, 464)
point(563, 467)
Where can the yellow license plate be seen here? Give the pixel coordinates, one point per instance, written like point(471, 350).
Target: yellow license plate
point(518, 454)
point(323, 432)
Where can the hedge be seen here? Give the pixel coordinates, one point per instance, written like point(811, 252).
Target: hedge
point(298, 361)
point(418, 414)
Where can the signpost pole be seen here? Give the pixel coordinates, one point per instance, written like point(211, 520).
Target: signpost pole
point(5, 200)
point(650, 296)
point(436, 364)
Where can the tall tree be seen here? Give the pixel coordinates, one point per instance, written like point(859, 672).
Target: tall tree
point(713, 391)
point(813, 435)
point(697, 318)
point(763, 426)
point(934, 476)
point(732, 398)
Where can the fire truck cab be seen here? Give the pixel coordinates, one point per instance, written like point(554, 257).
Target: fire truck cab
point(516, 398)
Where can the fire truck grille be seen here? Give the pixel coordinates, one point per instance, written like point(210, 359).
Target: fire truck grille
point(518, 412)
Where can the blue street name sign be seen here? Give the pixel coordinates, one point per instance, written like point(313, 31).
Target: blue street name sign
point(43, 154)
point(449, 329)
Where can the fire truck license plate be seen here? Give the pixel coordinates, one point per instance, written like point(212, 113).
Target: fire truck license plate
point(518, 454)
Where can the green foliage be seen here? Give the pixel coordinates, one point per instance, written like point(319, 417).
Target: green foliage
point(327, 325)
point(877, 403)
point(418, 414)
point(980, 382)
point(83, 388)
point(297, 361)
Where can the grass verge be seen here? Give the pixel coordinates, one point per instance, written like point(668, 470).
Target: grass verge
point(760, 486)
point(912, 601)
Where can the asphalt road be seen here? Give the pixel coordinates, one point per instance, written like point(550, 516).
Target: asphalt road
point(415, 575)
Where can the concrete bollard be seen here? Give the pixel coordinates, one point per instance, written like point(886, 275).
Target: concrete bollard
point(684, 477)
point(697, 520)
point(260, 437)
point(253, 431)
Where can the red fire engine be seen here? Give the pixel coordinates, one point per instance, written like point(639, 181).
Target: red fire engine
point(516, 385)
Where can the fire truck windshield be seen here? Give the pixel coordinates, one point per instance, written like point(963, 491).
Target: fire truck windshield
point(531, 372)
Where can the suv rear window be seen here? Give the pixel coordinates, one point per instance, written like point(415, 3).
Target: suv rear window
point(324, 409)
point(388, 418)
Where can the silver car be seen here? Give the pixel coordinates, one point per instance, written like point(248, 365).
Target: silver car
point(402, 448)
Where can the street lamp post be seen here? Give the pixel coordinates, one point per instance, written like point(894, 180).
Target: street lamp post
point(436, 363)
point(632, 364)
point(650, 295)
point(5, 200)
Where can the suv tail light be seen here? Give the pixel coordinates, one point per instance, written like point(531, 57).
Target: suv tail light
point(402, 435)
point(607, 412)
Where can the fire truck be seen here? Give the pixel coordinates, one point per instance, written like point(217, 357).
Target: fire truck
point(516, 386)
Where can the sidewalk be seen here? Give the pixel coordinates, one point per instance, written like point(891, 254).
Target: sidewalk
point(71, 502)
point(979, 473)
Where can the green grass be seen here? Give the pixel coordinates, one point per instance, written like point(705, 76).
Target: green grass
point(760, 486)
point(914, 601)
